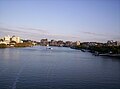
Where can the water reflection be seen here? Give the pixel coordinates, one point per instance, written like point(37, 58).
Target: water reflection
point(10, 53)
point(60, 68)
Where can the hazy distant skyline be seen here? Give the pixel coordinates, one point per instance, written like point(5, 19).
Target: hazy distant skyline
point(84, 20)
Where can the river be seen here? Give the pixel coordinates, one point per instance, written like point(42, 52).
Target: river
point(59, 68)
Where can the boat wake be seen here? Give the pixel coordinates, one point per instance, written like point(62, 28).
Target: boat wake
point(3, 71)
point(17, 78)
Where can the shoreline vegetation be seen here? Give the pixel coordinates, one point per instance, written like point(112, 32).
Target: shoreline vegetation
point(111, 51)
point(26, 44)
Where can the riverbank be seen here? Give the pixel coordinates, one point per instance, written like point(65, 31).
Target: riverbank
point(111, 51)
point(26, 44)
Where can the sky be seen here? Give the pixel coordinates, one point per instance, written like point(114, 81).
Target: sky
point(83, 20)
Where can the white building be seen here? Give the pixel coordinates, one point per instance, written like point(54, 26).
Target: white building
point(117, 43)
point(77, 43)
point(7, 39)
point(16, 39)
point(2, 42)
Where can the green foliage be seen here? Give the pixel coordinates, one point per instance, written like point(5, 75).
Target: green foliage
point(26, 44)
point(101, 49)
point(80, 47)
point(3, 46)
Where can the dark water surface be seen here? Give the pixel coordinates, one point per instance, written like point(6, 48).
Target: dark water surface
point(59, 68)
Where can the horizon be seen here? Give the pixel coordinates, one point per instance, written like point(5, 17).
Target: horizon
point(84, 20)
point(55, 39)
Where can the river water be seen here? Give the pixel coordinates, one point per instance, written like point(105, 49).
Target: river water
point(59, 68)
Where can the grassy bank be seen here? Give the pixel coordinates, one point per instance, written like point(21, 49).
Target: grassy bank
point(26, 44)
point(101, 49)
point(3, 46)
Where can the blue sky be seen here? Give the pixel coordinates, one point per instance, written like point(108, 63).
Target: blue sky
point(84, 20)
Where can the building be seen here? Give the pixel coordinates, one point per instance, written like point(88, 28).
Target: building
point(10, 40)
point(44, 42)
point(7, 39)
point(110, 43)
point(16, 39)
point(93, 44)
point(60, 43)
point(117, 43)
point(53, 43)
point(68, 44)
point(2, 42)
point(77, 43)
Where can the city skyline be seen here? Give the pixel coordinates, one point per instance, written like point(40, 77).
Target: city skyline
point(84, 20)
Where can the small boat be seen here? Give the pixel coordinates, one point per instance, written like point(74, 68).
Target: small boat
point(48, 47)
point(82, 50)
